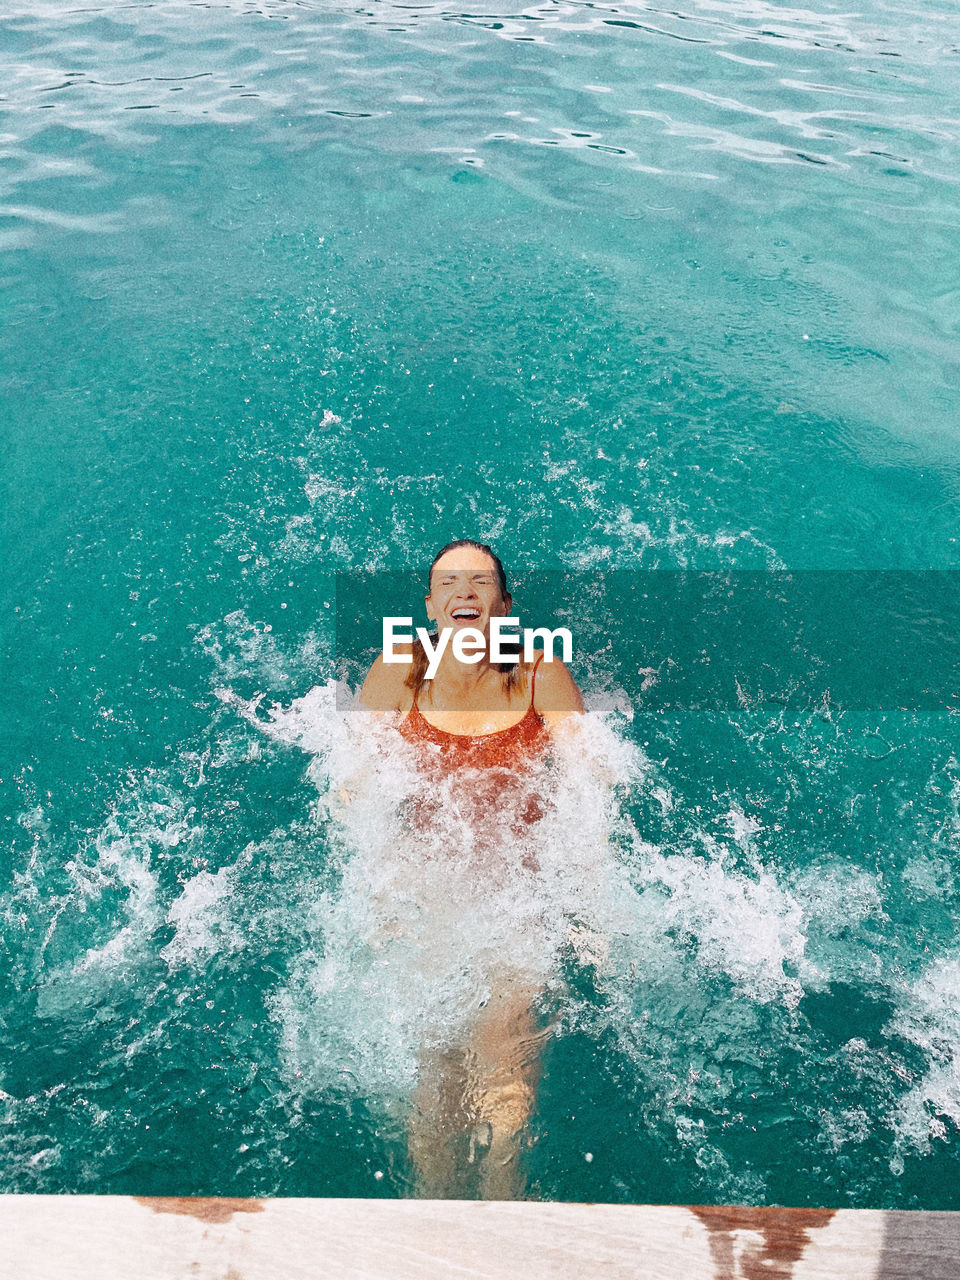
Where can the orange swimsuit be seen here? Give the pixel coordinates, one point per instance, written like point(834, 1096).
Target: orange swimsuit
point(504, 757)
point(507, 748)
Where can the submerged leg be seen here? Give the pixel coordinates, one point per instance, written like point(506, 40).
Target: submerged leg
point(438, 1126)
point(504, 1070)
point(473, 1104)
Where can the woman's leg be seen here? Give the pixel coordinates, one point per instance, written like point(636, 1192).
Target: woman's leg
point(473, 1104)
point(504, 1070)
point(438, 1126)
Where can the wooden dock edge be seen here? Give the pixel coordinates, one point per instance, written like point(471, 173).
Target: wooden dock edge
point(151, 1238)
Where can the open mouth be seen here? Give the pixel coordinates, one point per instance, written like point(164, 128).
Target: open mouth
point(465, 613)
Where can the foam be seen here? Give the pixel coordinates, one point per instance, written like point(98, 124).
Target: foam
point(412, 942)
point(245, 649)
point(201, 917)
point(430, 918)
point(840, 904)
point(930, 876)
point(114, 895)
point(84, 979)
point(675, 542)
point(929, 1016)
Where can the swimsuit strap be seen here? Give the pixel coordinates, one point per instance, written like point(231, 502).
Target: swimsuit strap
point(422, 727)
point(533, 680)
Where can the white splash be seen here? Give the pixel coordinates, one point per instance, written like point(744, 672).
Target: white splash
point(930, 1017)
point(748, 927)
point(202, 918)
point(444, 894)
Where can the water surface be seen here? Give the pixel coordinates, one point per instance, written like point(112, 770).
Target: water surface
point(295, 290)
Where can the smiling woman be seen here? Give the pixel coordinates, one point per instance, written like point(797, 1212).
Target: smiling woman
point(478, 728)
point(469, 696)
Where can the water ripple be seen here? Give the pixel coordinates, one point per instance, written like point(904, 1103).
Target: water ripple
point(225, 63)
point(746, 121)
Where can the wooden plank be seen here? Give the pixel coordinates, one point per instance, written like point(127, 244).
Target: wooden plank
point(149, 1238)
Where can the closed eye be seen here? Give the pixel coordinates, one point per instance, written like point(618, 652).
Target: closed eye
point(481, 579)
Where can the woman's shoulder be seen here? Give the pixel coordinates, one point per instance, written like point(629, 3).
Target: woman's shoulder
point(385, 688)
point(554, 688)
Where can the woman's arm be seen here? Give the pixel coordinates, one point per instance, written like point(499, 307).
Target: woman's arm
point(556, 696)
point(384, 687)
point(559, 701)
point(384, 692)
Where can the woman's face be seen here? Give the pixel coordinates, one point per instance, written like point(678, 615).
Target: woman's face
point(465, 591)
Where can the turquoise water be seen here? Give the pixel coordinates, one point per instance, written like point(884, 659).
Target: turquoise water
point(297, 290)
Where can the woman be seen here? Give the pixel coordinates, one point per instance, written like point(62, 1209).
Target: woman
point(469, 703)
point(481, 727)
